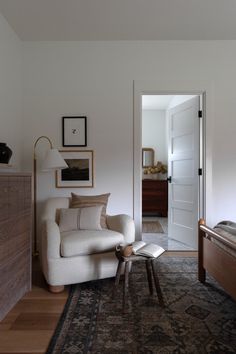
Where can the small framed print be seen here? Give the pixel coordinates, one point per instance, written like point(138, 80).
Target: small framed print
point(74, 131)
point(79, 173)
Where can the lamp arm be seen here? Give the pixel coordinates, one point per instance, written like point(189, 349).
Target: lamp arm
point(35, 252)
point(42, 137)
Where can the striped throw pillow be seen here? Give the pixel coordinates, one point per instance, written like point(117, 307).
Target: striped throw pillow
point(80, 218)
point(83, 201)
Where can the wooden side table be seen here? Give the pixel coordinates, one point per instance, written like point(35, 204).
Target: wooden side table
point(151, 273)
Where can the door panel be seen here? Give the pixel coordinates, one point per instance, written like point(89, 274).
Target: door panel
point(182, 193)
point(183, 164)
point(182, 143)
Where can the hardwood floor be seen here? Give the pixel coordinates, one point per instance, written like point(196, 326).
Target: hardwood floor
point(29, 326)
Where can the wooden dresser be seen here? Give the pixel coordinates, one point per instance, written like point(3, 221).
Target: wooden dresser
point(15, 238)
point(155, 197)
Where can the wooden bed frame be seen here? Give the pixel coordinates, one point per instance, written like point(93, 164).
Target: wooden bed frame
point(215, 260)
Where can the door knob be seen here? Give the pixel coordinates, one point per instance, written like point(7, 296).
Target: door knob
point(169, 179)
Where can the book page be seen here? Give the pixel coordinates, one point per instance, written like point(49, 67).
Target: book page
point(137, 245)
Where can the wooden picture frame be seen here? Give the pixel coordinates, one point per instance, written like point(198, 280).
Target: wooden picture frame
point(74, 131)
point(80, 173)
point(148, 156)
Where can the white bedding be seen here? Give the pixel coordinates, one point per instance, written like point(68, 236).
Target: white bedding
point(227, 229)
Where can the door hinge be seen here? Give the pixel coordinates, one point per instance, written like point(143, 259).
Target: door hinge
point(199, 114)
point(200, 172)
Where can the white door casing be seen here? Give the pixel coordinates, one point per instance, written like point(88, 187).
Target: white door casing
point(183, 168)
point(162, 86)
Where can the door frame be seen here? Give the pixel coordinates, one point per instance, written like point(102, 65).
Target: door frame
point(176, 88)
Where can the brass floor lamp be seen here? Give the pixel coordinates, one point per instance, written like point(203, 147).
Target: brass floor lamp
point(52, 161)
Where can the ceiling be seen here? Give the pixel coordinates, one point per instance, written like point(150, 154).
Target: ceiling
point(70, 20)
point(156, 102)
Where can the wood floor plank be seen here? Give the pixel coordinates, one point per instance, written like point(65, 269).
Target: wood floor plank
point(35, 321)
point(42, 305)
point(6, 323)
point(24, 341)
point(40, 293)
point(5, 327)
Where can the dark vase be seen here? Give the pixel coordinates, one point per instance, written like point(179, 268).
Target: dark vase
point(5, 153)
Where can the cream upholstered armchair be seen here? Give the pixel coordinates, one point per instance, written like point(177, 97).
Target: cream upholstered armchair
point(75, 256)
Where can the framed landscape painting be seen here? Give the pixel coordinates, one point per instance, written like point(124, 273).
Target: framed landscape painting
point(74, 131)
point(79, 173)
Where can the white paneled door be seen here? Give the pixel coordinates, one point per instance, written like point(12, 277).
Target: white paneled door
point(183, 171)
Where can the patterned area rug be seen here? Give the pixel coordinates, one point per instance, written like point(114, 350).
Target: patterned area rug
point(152, 227)
point(197, 318)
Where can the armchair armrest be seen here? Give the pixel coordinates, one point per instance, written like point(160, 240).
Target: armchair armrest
point(124, 224)
point(51, 240)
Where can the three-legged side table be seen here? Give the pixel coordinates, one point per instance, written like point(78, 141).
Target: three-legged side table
point(126, 262)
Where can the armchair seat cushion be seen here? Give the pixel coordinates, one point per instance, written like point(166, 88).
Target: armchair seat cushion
point(84, 242)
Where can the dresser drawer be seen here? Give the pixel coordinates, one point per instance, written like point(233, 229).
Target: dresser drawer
point(155, 197)
point(154, 184)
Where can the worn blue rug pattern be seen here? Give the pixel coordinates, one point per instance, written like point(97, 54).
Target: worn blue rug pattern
point(197, 318)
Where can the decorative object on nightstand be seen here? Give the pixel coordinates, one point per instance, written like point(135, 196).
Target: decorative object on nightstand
point(155, 170)
point(5, 153)
point(52, 161)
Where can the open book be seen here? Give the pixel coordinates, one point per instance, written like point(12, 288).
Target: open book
point(147, 249)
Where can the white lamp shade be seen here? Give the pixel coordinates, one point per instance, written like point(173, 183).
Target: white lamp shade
point(53, 161)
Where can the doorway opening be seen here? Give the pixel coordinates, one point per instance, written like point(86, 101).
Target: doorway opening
point(172, 164)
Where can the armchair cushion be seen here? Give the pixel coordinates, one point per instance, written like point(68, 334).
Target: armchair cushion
point(82, 201)
point(80, 218)
point(83, 242)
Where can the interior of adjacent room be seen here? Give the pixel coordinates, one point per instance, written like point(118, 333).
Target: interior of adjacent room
point(156, 164)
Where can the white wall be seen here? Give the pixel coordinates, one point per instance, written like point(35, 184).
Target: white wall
point(154, 133)
point(11, 131)
point(96, 79)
